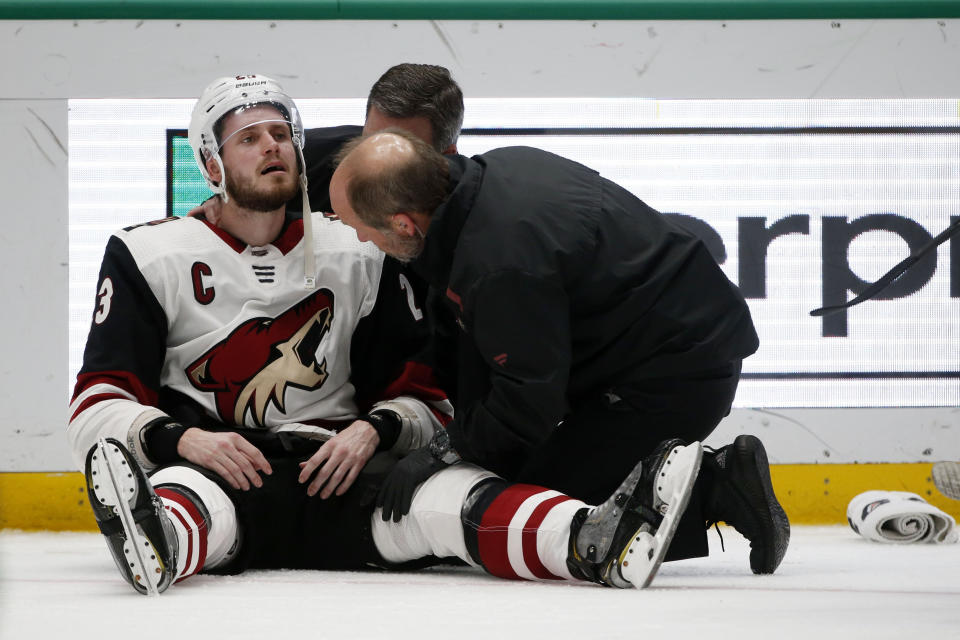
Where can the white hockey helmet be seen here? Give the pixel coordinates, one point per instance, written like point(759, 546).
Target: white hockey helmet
point(226, 95)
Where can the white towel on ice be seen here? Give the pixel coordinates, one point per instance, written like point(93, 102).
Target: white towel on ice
point(899, 516)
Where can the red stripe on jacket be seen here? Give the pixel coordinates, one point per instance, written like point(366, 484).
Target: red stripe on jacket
point(418, 380)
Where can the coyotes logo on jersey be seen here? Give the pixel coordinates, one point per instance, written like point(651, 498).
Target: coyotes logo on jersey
point(254, 365)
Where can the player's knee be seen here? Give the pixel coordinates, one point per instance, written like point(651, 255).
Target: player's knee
point(434, 525)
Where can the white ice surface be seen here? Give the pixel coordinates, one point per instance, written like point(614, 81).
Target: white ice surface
point(832, 584)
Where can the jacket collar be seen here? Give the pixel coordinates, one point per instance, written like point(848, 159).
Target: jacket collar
point(446, 223)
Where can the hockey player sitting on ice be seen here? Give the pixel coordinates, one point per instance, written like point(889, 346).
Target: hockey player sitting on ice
point(222, 355)
point(189, 524)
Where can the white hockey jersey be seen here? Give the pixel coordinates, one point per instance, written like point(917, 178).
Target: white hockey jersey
point(186, 312)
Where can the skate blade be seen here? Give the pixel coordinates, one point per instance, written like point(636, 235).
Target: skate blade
point(603, 528)
point(642, 557)
point(116, 486)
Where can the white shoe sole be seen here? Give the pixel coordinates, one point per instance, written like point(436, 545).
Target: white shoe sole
point(641, 559)
point(116, 486)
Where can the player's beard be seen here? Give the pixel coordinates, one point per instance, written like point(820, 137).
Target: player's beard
point(246, 195)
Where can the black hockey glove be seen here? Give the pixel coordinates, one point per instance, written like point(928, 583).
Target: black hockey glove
point(397, 491)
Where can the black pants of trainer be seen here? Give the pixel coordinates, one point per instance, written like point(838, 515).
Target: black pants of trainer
point(596, 446)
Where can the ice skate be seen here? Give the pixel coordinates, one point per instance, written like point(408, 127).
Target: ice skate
point(622, 542)
point(131, 518)
point(741, 495)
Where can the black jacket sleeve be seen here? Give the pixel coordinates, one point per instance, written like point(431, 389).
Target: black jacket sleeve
point(521, 327)
point(445, 341)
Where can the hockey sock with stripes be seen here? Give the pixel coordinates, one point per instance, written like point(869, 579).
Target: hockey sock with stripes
point(183, 508)
point(203, 516)
point(520, 531)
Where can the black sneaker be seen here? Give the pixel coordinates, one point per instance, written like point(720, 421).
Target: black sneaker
point(740, 493)
point(131, 517)
point(621, 543)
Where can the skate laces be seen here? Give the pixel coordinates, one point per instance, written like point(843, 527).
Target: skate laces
point(716, 527)
point(718, 458)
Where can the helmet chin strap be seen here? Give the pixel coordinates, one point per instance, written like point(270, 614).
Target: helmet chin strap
point(309, 258)
point(222, 187)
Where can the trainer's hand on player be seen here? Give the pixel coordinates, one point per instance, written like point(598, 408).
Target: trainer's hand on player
point(209, 209)
point(396, 494)
point(227, 454)
point(339, 461)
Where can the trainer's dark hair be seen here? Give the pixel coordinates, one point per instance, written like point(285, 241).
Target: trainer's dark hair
point(417, 184)
point(421, 90)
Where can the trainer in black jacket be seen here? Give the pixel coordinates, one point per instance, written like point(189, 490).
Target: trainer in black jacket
point(591, 328)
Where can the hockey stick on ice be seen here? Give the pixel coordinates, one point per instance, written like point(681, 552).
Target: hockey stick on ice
point(893, 274)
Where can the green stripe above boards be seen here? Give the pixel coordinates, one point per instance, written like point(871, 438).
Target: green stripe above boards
point(475, 9)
